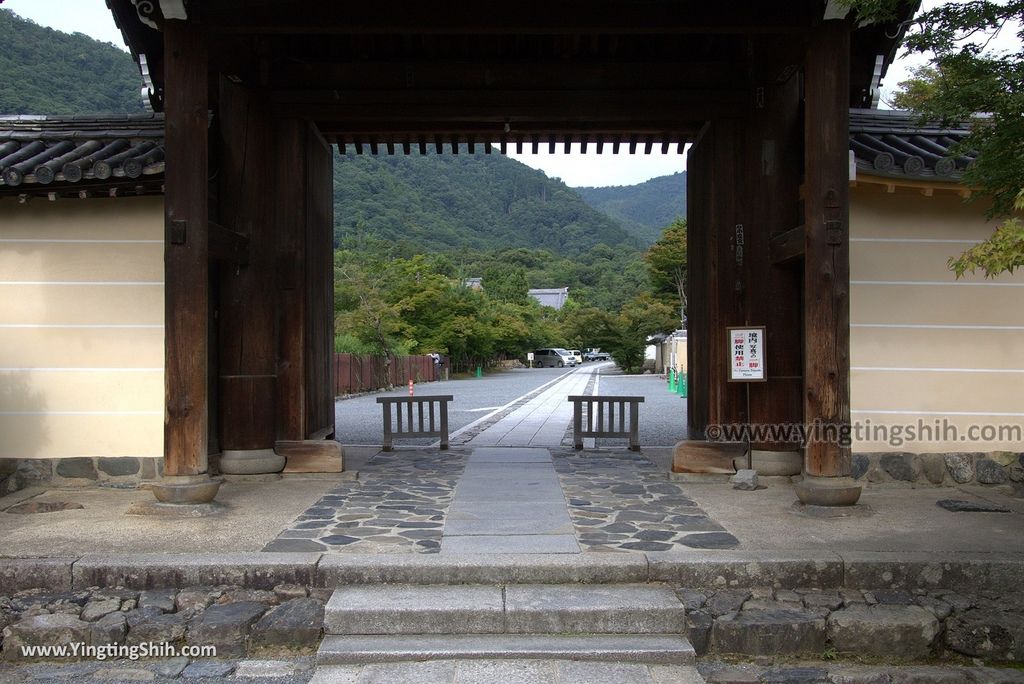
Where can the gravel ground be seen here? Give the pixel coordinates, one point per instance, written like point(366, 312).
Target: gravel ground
point(359, 419)
point(662, 415)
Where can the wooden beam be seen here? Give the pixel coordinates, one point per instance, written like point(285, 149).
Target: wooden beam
point(598, 17)
point(827, 245)
point(186, 251)
point(671, 73)
point(786, 247)
point(311, 456)
point(496, 106)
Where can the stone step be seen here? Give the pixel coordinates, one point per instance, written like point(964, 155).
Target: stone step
point(515, 609)
point(646, 648)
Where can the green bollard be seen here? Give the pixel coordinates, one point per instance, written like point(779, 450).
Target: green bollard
point(479, 371)
point(672, 380)
point(682, 385)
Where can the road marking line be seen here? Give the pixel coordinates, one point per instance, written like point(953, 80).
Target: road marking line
point(483, 418)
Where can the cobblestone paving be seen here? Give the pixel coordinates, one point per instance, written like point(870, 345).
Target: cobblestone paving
point(620, 501)
point(397, 505)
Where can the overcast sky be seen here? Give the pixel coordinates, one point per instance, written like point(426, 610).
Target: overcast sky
point(92, 18)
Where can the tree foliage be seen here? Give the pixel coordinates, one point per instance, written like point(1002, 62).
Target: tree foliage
point(505, 283)
point(396, 306)
point(966, 81)
point(622, 334)
point(1001, 253)
point(667, 264)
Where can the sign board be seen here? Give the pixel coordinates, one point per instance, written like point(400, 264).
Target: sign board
point(529, 356)
point(746, 355)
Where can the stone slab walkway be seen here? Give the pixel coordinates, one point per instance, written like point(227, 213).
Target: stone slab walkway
point(520, 500)
point(509, 500)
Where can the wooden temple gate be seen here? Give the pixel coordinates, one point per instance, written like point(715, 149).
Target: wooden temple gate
point(256, 92)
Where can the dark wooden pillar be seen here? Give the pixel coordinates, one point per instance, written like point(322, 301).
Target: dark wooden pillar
point(290, 218)
point(715, 206)
point(827, 264)
point(305, 229)
point(773, 152)
point(247, 311)
point(186, 288)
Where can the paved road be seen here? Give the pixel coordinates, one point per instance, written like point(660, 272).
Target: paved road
point(662, 415)
point(359, 419)
point(523, 407)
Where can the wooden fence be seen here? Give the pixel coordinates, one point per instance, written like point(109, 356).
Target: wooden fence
point(363, 372)
point(600, 421)
point(401, 420)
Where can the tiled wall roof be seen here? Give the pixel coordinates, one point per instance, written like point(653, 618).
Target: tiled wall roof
point(39, 151)
point(895, 144)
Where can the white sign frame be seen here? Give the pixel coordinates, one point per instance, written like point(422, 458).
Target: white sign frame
point(753, 347)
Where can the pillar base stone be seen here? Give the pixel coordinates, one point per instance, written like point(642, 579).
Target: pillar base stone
point(186, 489)
point(250, 462)
point(827, 491)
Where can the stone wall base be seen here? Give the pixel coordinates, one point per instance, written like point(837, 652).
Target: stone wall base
point(945, 469)
point(127, 472)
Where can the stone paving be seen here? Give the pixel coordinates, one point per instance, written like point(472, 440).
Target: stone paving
point(398, 505)
point(621, 501)
point(618, 501)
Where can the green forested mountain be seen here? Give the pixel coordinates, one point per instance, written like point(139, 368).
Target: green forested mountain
point(48, 72)
point(465, 201)
point(643, 209)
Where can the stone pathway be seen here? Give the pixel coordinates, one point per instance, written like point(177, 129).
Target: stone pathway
point(398, 505)
point(509, 501)
point(510, 496)
point(505, 500)
point(620, 501)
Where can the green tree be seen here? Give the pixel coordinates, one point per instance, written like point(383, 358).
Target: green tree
point(914, 92)
point(624, 334)
point(966, 81)
point(506, 283)
point(667, 264)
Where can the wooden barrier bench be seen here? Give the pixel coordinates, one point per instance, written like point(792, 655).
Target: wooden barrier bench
point(402, 420)
point(601, 414)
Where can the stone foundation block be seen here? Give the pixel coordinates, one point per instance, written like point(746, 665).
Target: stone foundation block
point(986, 633)
point(883, 630)
point(226, 627)
point(150, 626)
point(43, 630)
point(110, 629)
point(769, 632)
point(294, 625)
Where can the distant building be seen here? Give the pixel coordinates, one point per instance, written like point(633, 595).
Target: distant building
point(473, 283)
point(555, 297)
